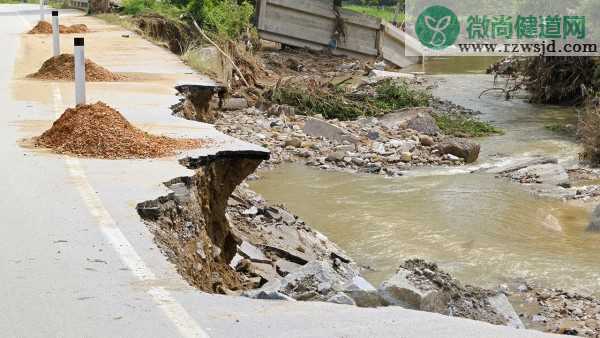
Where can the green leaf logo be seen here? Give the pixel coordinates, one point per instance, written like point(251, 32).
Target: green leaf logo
point(437, 27)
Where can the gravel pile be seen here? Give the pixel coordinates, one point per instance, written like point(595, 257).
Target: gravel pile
point(97, 130)
point(62, 67)
point(44, 27)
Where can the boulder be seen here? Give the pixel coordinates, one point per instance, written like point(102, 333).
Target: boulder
point(400, 290)
point(595, 220)
point(463, 148)
point(320, 128)
point(418, 119)
point(426, 140)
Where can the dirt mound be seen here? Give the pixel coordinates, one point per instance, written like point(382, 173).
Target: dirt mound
point(62, 67)
point(44, 27)
point(97, 130)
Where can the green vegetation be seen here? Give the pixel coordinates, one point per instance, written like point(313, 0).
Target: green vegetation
point(387, 13)
point(464, 126)
point(392, 95)
point(164, 8)
point(334, 103)
point(225, 19)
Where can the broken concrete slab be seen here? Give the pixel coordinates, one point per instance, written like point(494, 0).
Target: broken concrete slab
point(341, 298)
point(503, 307)
point(376, 75)
point(320, 128)
point(550, 174)
point(520, 164)
point(400, 290)
point(252, 253)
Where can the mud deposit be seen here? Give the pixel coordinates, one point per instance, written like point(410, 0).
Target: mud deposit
point(97, 130)
point(62, 67)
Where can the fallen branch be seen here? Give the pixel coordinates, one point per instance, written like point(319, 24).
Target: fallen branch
point(221, 51)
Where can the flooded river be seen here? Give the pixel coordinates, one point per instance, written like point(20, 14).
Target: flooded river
point(484, 230)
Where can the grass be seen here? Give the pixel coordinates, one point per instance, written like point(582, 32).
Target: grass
point(336, 104)
point(465, 126)
point(387, 13)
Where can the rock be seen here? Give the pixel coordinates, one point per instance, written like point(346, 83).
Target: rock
point(379, 74)
point(426, 140)
point(595, 220)
point(465, 149)
point(235, 103)
point(293, 142)
point(319, 128)
point(252, 253)
point(406, 157)
point(401, 291)
point(378, 147)
point(337, 156)
point(403, 116)
point(452, 158)
point(403, 145)
point(424, 123)
point(341, 298)
point(503, 307)
point(252, 211)
point(373, 135)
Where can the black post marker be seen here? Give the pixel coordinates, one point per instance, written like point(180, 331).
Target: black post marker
point(79, 71)
point(55, 34)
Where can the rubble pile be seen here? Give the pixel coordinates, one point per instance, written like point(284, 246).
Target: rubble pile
point(97, 130)
point(389, 145)
point(62, 67)
point(44, 27)
point(558, 311)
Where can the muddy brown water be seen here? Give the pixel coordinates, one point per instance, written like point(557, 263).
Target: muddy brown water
point(485, 231)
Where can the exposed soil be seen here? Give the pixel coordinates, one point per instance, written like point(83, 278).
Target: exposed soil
point(62, 67)
point(44, 27)
point(97, 130)
point(176, 36)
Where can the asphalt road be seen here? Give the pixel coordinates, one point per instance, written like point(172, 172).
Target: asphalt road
point(75, 259)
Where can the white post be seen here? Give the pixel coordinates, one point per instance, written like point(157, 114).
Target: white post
point(41, 10)
point(55, 34)
point(79, 71)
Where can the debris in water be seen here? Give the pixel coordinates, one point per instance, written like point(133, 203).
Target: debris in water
point(97, 130)
point(44, 27)
point(62, 67)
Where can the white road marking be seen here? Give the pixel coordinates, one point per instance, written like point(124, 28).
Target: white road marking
point(185, 324)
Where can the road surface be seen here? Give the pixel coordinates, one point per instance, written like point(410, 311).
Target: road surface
point(76, 260)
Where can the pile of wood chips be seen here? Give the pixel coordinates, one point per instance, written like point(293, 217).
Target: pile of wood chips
point(99, 131)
